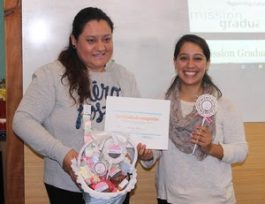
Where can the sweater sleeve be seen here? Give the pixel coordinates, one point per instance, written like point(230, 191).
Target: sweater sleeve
point(36, 105)
point(234, 145)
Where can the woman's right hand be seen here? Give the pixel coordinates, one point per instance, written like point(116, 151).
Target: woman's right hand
point(143, 153)
point(67, 162)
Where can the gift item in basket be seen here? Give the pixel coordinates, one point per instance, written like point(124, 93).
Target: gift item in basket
point(106, 165)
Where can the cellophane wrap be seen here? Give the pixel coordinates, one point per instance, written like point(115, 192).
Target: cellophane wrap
point(105, 167)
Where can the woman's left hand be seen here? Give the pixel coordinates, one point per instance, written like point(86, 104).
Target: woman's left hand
point(202, 136)
point(143, 153)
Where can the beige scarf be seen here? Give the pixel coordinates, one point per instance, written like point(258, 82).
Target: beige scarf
point(181, 128)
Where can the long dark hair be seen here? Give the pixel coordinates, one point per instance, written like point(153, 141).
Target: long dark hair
point(206, 80)
point(75, 70)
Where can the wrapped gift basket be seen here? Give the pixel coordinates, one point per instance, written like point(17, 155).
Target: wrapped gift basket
point(105, 167)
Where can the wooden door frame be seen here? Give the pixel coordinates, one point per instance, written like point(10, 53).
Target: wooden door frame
point(14, 164)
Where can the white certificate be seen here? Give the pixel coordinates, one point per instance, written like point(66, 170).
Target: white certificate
point(144, 120)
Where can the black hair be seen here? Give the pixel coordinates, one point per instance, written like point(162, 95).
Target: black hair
point(206, 51)
point(75, 70)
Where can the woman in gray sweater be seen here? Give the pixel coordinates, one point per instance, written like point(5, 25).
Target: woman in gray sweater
point(49, 118)
point(196, 168)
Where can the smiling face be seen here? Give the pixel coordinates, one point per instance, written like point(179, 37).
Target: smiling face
point(191, 64)
point(94, 45)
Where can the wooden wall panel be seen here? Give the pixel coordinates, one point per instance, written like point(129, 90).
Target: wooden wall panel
point(14, 176)
point(145, 192)
point(249, 178)
point(34, 187)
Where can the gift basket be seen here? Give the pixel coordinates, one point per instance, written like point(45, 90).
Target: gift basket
point(105, 167)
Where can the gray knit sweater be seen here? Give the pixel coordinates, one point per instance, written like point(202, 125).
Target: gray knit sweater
point(181, 178)
point(46, 116)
